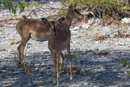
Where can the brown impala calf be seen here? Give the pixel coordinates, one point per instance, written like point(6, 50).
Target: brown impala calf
point(30, 28)
point(60, 39)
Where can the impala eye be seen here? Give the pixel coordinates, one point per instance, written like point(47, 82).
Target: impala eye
point(77, 10)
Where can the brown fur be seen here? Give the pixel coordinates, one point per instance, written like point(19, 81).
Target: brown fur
point(62, 41)
point(28, 28)
point(34, 27)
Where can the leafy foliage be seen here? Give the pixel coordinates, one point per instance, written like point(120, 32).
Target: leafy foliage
point(125, 64)
point(101, 3)
point(61, 11)
point(12, 5)
point(73, 57)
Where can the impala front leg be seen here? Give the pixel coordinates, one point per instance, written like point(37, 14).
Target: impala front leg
point(19, 53)
point(62, 59)
point(57, 66)
point(54, 65)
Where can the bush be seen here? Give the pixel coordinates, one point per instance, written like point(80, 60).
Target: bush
point(12, 5)
point(125, 63)
point(101, 3)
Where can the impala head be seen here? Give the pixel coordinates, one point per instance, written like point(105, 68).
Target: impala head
point(74, 12)
point(54, 24)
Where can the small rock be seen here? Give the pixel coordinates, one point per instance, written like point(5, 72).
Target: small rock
point(67, 74)
point(43, 63)
point(124, 78)
point(1, 15)
point(37, 65)
point(16, 84)
point(86, 26)
point(2, 86)
point(41, 70)
point(49, 81)
point(82, 61)
point(75, 28)
point(36, 69)
point(112, 35)
point(91, 20)
point(48, 73)
point(122, 53)
point(29, 44)
point(82, 70)
point(125, 20)
point(86, 84)
point(96, 86)
point(81, 31)
point(1, 33)
point(97, 75)
point(51, 2)
point(74, 71)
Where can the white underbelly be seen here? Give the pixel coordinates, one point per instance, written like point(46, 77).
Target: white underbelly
point(38, 39)
point(63, 49)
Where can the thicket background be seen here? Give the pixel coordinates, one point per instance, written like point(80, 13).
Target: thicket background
point(12, 5)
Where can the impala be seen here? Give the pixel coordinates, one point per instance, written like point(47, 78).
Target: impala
point(60, 39)
point(31, 28)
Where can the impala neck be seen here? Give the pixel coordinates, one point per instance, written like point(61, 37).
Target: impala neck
point(68, 19)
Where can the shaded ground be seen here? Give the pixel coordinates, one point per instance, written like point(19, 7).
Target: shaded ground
point(98, 60)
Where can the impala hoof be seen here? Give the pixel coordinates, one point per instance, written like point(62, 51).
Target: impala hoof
point(71, 78)
point(57, 84)
point(54, 82)
point(19, 65)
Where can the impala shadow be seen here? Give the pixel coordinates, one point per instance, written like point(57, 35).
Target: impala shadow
point(42, 70)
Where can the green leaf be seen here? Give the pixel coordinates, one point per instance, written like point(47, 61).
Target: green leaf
point(21, 7)
point(75, 54)
point(128, 72)
point(5, 4)
point(63, 0)
point(125, 63)
point(61, 11)
point(128, 65)
point(121, 60)
point(67, 57)
point(14, 11)
point(0, 3)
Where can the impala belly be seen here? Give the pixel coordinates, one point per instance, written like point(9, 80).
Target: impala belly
point(64, 45)
point(40, 36)
point(59, 46)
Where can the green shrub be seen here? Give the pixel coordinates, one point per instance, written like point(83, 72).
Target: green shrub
point(61, 11)
point(101, 3)
point(125, 64)
point(12, 5)
point(73, 57)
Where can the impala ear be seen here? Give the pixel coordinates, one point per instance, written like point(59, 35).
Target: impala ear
point(72, 7)
point(59, 21)
point(75, 5)
point(24, 17)
point(45, 21)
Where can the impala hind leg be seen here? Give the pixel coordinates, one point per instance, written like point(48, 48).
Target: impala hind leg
point(19, 53)
point(21, 50)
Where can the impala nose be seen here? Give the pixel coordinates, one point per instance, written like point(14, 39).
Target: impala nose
point(81, 17)
point(55, 35)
